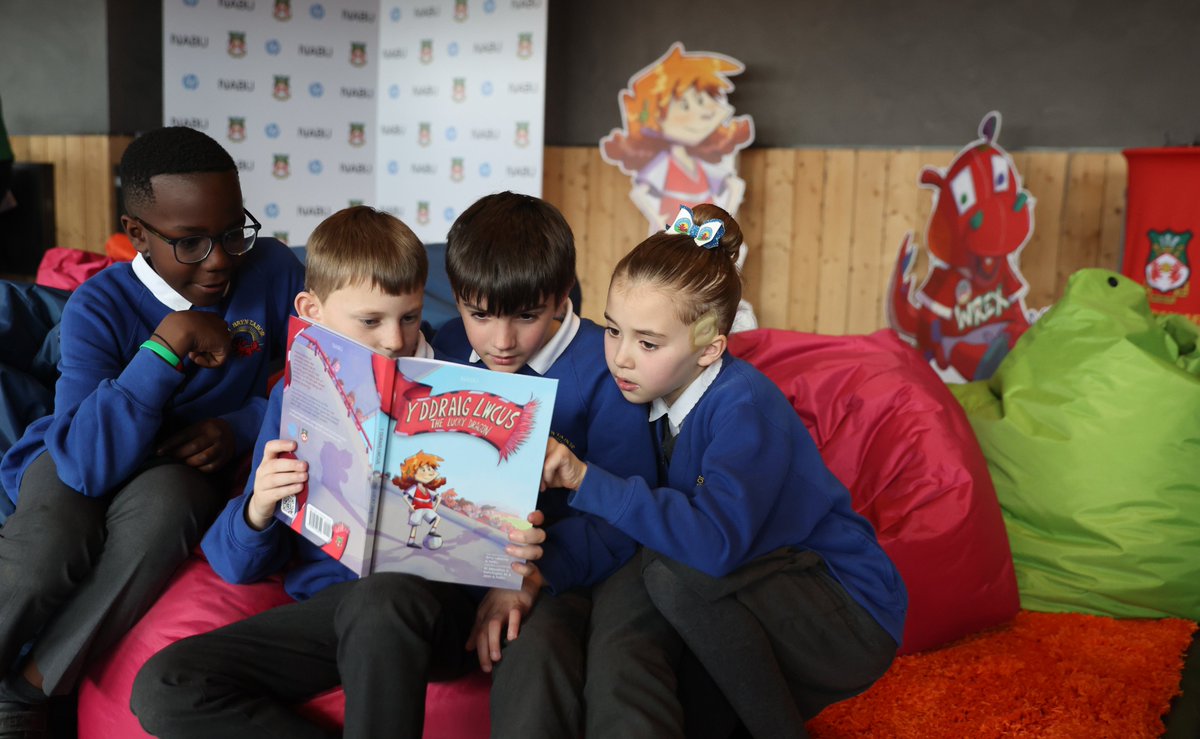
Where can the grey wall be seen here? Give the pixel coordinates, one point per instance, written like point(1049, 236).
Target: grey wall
point(54, 66)
point(1065, 73)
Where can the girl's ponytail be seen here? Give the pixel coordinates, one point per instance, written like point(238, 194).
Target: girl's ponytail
point(696, 261)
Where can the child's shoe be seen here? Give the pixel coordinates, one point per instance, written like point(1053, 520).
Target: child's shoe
point(22, 720)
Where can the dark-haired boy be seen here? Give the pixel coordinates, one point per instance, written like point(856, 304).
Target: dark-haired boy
point(511, 262)
point(163, 382)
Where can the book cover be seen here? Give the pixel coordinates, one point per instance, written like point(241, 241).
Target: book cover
point(415, 465)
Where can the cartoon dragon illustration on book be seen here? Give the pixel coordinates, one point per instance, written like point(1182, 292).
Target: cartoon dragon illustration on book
point(970, 309)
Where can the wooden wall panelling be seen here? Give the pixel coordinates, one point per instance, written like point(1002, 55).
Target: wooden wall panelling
point(865, 285)
point(751, 215)
point(804, 267)
point(776, 245)
point(574, 207)
point(83, 184)
point(1083, 207)
point(837, 216)
point(899, 219)
point(1045, 177)
point(1112, 220)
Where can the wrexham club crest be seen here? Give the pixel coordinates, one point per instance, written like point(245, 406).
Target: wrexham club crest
point(358, 134)
point(1167, 268)
point(459, 93)
point(237, 129)
point(283, 88)
point(456, 169)
point(423, 212)
point(355, 203)
point(423, 134)
point(283, 10)
point(237, 44)
point(358, 54)
point(460, 10)
point(281, 235)
point(280, 169)
point(426, 51)
point(524, 45)
point(522, 137)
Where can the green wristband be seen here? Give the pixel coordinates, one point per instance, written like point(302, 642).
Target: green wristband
point(162, 351)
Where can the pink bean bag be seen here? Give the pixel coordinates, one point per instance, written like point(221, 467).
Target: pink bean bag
point(895, 436)
point(885, 424)
point(197, 600)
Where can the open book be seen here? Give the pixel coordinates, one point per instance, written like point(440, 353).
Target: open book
point(414, 465)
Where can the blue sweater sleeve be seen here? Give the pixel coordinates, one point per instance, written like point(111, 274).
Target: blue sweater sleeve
point(107, 408)
point(713, 526)
point(583, 550)
point(237, 552)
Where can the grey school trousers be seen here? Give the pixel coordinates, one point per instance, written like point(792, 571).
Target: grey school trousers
point(598, 663)
point(780, 637)
point(77, 572)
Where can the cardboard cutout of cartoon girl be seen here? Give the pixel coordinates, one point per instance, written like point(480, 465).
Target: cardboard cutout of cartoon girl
point(679, 138)
point(970, 309)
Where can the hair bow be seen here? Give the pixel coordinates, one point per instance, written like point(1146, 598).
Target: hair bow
point(707, 234)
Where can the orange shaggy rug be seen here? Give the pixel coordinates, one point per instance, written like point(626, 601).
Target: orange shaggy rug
point(1043, 675)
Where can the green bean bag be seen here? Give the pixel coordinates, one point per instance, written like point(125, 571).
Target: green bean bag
point(1091, 430)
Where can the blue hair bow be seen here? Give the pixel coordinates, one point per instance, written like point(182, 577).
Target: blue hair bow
point(707, 234)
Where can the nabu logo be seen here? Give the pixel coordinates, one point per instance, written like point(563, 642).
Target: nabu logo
point(358, 134)
point(524, 45)
point(283, 10)
point(522, 137)
point(237, 129)
point(237, 44)
point(358, 54)
point(281, 169)
point(283, 88)
point(456, 170)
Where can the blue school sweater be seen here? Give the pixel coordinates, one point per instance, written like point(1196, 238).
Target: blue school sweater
point(240, 554)
point(592, 419)
point(113, 401)
point(745, 478)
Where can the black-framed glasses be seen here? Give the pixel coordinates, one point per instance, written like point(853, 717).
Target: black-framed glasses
point(195, 249)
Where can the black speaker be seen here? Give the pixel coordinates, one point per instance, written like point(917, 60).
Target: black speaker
point(27, 231)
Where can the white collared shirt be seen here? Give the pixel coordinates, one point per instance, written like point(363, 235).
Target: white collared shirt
point(423, 350)
point(554, 348)
point(157, 286)
point(687, 400)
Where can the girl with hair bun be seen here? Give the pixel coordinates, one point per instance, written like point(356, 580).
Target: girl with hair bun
point(752, 551)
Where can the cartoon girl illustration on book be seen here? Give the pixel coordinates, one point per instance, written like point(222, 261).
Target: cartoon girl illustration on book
point(679, 135)
point(419, 482)
point(678, 140)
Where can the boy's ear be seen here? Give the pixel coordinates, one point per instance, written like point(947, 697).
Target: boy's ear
point(137, 235)
point(308, 306)
point(713, 350)
point(560, 306)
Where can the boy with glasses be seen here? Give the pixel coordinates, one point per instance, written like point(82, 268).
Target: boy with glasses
point(163, 382)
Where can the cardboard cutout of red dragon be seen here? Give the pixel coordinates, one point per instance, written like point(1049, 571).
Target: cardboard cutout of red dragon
point(970, 309)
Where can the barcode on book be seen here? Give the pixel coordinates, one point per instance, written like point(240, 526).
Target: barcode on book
point(318, 523)
point(288, 506)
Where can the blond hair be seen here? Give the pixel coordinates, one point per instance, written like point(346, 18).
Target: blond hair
point(361, 245)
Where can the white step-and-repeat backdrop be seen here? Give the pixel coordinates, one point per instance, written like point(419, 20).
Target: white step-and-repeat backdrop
point(417, 108)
